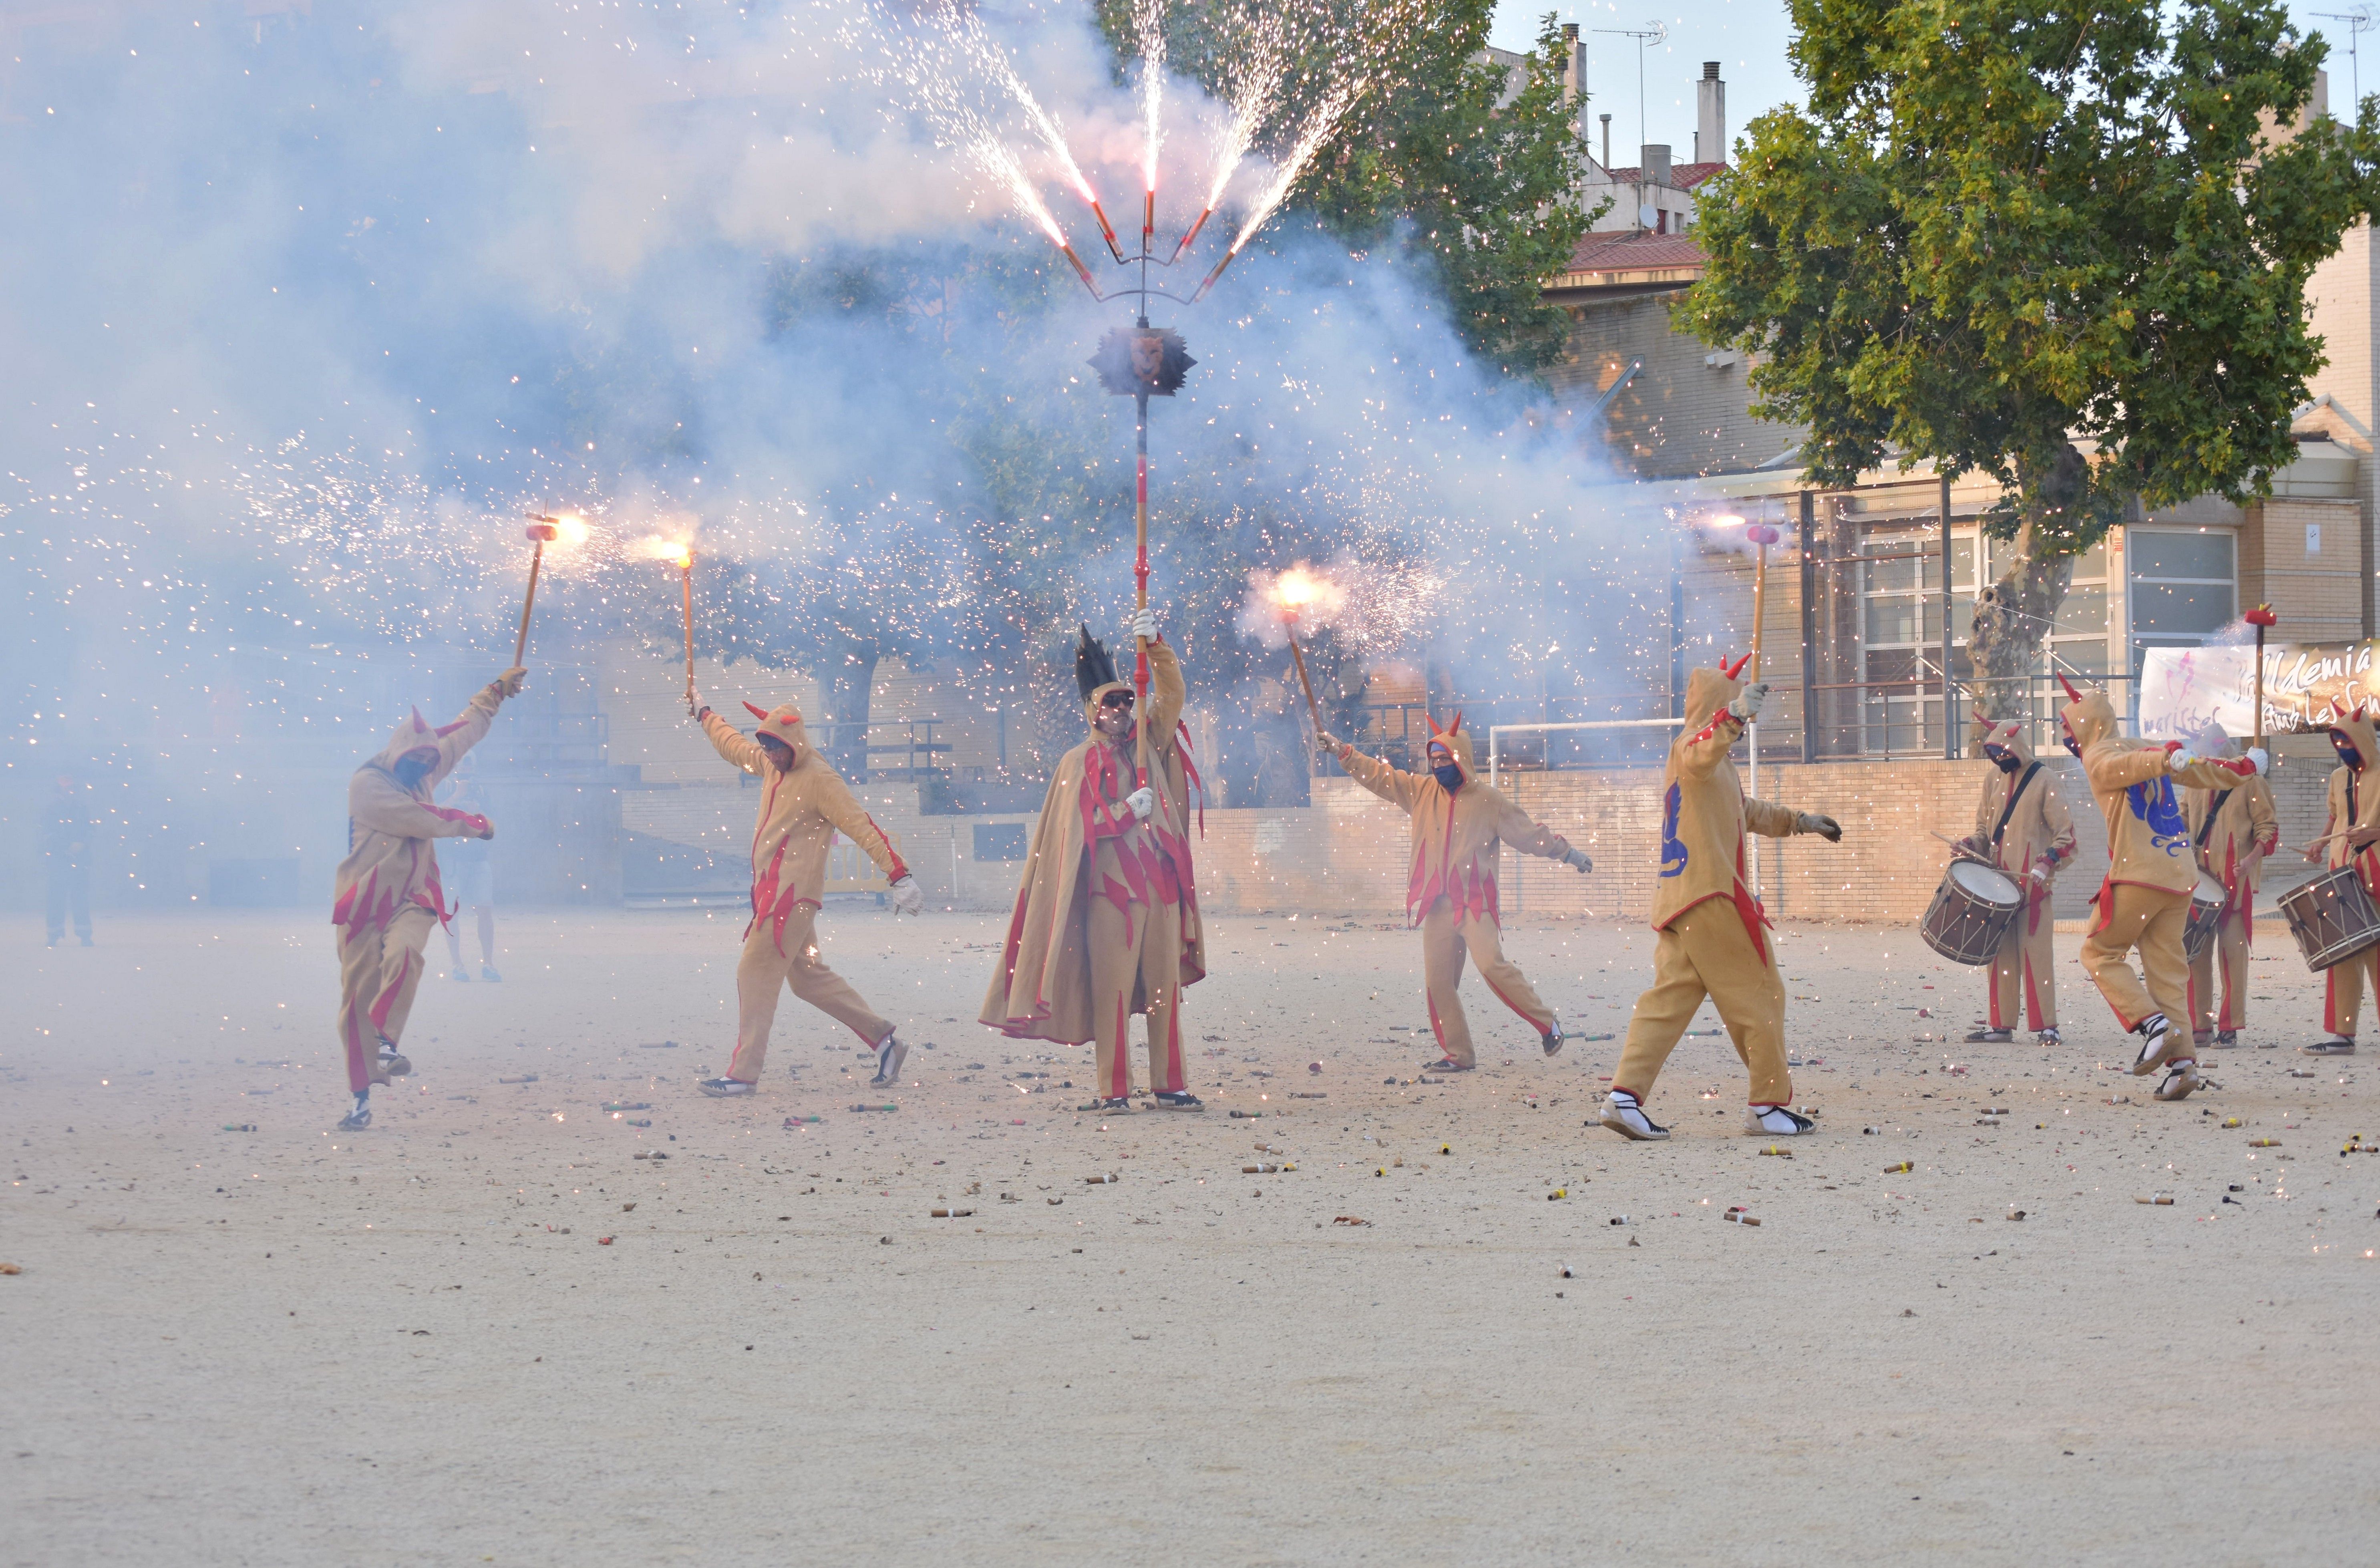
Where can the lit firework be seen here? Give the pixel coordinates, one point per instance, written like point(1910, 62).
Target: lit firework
point(1318, 132)
point(1149, 17)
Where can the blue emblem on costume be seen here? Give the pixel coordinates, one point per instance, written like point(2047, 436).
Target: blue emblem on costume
point(1673, 853)
point(2155, 804)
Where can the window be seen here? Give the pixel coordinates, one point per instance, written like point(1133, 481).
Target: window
point(1901, 640)
point(2183, 587)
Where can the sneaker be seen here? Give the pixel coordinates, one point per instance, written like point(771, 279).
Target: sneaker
point(461, 973)
point(889, 1054)
point(724, 1088)
point(1446, 1064)
point(2181, 1077)
point(487, 972)
point(1989, 1036)
point(2227, 1039)
point(1624, 1116)
point(2049, 1036)
point(356, 1120)
point(1118, 1106)
point(1552, 1039)
point(393, 1062)
point(2201, 1039)
point(1766, 1121)
point(2337, 1045)
point(2155, 1039)
point(1179, 1100)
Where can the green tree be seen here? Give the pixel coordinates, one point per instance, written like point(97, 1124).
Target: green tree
point(1439, 161)
point(2057, 243)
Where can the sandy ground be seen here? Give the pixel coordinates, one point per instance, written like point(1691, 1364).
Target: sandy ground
point(489, 1330)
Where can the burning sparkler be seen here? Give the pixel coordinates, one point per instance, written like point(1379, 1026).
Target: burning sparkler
point(566, 529)
point(1149, 18)
point(1318, 131)
point(1293, 592)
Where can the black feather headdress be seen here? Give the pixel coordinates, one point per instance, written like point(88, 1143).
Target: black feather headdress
point(1093, 667)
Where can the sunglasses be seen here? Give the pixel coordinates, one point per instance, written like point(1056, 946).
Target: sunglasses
point(1116, 699)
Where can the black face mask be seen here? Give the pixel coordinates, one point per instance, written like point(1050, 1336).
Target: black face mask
point(411, 770)
point(1449, 777)
point(2073, 746)
point(2002, 757)
point(2346, 749)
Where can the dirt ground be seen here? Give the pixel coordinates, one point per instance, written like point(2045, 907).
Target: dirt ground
point(492, 1330)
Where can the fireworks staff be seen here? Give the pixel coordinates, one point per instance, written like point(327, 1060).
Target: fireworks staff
point(1106, 923)
point(2233, 829)
point(388, 896)
point(2144, 902)
point(1713, 940)
point(2024, 829)
point(805, 803)
point(1458, 823)
point(2353, 832)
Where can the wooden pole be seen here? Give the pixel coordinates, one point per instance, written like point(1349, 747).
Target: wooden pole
point(1312, 707)
point(685, 583)
point(520, 643)
point(2263, 619)
point(1140, 591)
point(1762, 537)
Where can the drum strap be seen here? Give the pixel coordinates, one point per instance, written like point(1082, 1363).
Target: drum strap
point(2009, 809)
point(2208, 826)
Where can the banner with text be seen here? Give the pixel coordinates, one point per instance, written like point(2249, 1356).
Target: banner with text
point(2183, 688)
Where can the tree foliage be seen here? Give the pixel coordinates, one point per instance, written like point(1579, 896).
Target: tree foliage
point(2059, 244)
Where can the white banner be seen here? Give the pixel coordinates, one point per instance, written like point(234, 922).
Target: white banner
point(2181, 688)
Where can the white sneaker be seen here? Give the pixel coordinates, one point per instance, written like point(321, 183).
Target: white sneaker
point(2153, 1033)
point(724, 1089)
point(393, 1062)
point(1554, 1037)
point(889, 1057)
point(1776, 1121)
point(1624, 1116)
point(2181, 1077)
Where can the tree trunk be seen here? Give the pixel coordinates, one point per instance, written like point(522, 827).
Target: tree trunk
point(2016, 613)
point(844, 685)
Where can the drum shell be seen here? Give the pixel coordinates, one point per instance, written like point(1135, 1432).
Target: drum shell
point(2332, 916)
point(2206, 902)
point(1964, 928)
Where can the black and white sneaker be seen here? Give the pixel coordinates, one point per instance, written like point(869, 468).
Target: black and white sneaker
point(2153, 1034)
point(2227, 1039)
point(2180, 1078)
point(889, 1054)
point(2049, 1036)
point(1776, 1121)
point(1446, 1064)
point(393, 1062)
point(1178, 1099)
point(1989, 1036)
point(724, 1089)
point(2336, 1045)
point(358, 1119)
point(1554, 1037)
point(1624, 1116)
point(1118, 1106)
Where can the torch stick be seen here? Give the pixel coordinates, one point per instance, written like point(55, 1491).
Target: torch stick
point(1140, 588)
point(685, 586)
point(1762, 537)
point(2261, 618)
point(540, 531)
point(1295, 653)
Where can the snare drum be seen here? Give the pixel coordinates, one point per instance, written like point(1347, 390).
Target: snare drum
point(2206, 903)
point(1972, 912)
point(2332, 916)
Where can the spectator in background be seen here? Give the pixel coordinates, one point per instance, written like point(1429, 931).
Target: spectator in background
point(468, 863)
point(66, 844)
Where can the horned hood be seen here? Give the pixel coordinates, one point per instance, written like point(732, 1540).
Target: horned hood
point(413, 733)
point(2010, 738)
point(1457, 741)
point(1707, 691)
point(783, 723)
point(2359, 729)
point(2089, 718)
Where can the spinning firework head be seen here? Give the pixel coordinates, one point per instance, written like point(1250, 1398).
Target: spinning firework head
point(1095, 673)
point(1142, 361)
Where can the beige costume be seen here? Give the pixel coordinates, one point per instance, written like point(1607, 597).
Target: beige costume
point(2036, 833)
point(2354, 802)
point(2234, 829)
point(801, 810)
point(1450, 888)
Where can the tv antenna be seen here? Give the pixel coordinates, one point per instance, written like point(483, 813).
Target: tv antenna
point(1653, 32)
point(2359, 22)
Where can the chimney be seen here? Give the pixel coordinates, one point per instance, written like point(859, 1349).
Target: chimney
point(1607, 143)
point(1573, 64)
point(1656, 164)
point(1710, 116)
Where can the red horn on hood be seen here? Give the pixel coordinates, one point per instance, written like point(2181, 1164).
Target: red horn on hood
point(420, 725)
point(759, 713)
point(1455, 724)
point(1737, 670)
point(1432, 718)
point(443, 731)
point(2072, 695)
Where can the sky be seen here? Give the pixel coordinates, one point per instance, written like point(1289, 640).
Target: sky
point(1749, 39)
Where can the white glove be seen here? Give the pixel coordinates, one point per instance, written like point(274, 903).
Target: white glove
point(2175, 761)
point(1143, 802)
point(2041, 875)
point(1817, 822)
point(908, 898)
point(1143, 625)
point(1749, 701)
point(1576, 860)
point(1328, 741)
point(2262, 758)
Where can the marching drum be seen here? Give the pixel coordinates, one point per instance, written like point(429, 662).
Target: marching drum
point(2332, 916)
point(2205, 914)
point(1973, 910)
